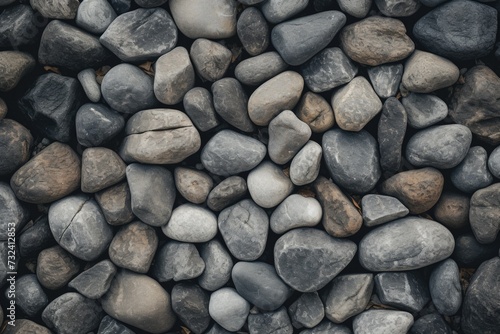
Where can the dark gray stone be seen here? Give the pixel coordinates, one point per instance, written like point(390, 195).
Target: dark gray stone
point(253, 31)
point(305, 165)
point(217, 329)
point(36, 238)
point(5, 266)
point(385, 79)
point(95, 16)
point(116, 204)
point(228, 192)
point(190, 303)
point(177, 261)
point(398, 8)
point(391, 133)
point(432, 3)
point(424, 110)
point(14, 65)
point(3, 109)
point(445, 287)
point(380, 209)
point(150, 3)
point(109, 325)
point(472, 173)
point(94, 282)
point(307, 311)
point(18, 26)
point(430, 324)
point(13, 212)
point(191, 223)
point(296, 211)
point(121, 6)
point(484, 212)
point(327, 327)
point(26, 326)
point(56, 9)
point(407, 291)
point(255, 70)
point(452, 210)
point(270, 322)
point(228, 309)
point(469, 253)
point(383, 321)
point(210, 59)
point(230, 102)
point(494, 162)
point(277, 11)
point(218, 265)
point(96, 124)
point(30, 297)
point(198, 105)
point(101, 168)
point(88, 80)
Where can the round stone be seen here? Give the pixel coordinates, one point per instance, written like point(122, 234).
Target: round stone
point(190, 303)
point(88, 80)
point(226, 193)
point(191, 223)
point(398, 8)
point(295, 211)
point(483, 213)
point(383, 321)
point(30, 297)
point(316, 112)
point(101, 168)
point(210, 59)
point(472, 173)
point(277, 11)
point(268, 185)
point(254, 71)
point(95, 16)
point(115, 203)
point(424, 110)
point(198, 105)
point(218, 266)
point(193, 185)
point(494, 162)
point(96, 124)
point(55, 268)
point(177, 261)
point(14, 65)
point(16, 142)
point(305, 165)
point(253, 31)
point(452, 210)
point(445, 287)
point(228, 309)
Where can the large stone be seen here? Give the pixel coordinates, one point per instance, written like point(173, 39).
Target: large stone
point(494, 162)
point(101, 168)
point(18, 26)
point(96, 124)
point(95, 15)
point(472, 173)
point(270, 322)
point(36, 238)
point(295, 211)
point(177, 261)
point(469, 253)
point(210, 59)
point(307, 311)
point(226, 193)
point(55, 268)
point(218, 265)
point(14, 65)
point(407, 291)
point(253, 31)
point(305, 165)
point(15, 142)
point(109, 325)
point(314, 110)
point(256, 70)
point(13, 212)
point(277, 11)
point(29, 297)
point(356, 8)
point(380, 209)
point(198, 105)
point(385, 79)
point(398, 8)
point(190, 303)
point(115, 203)
point(382, 322)
point(26, 326)
point(445, 287)
point(424, 110)
point(191, 223)
point(484, 213)
point(192, 184)
point(391, 133)
point(452, 210)
point(268, 185)
point(228, 309)
point(94, 282)
point(56, 9)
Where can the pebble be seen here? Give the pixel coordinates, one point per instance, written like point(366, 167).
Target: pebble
point(210, 59)
point(356, 8)
point(150, 3)
point(121, 6)
point(348, 296)
point(56, 9)
point(244, 227)
point(89, 83)
point(13, 212)
point(271, 322)
point(484, 212)
point(268, 185)
point(191, 223)
point(127, 89)
point(228, 309)
point(463, 18)
point(115, 204)
point(109, 325)
point(55, 268)
point(352, 159)
point(385, 79)
point(30, 297)
point(16, 24)
point(405, 244)
point(154, 312)
point(398, 8)
point(16, 142)
point(95, 16)
point(4, 250)
point(295, 211)
point(198, 106)
point(101, 168)
point(376, 40)
point(328, 69)
point(226, 193)
point(452, 210)
point(445, 287)
point(307, 311)
point(326, 257)
point(424, 110)
point(35, 238)
point(494, 162)
point(305, 166)
point(79, 227)
point(26, 326)
point(94, 282)
point(391, 133)
point(407, 291)
point(430, 324)
point(190, 303)
point(380, 209)
point(177, 261)
point(327, 327)
point(472, 173)
point(159, 136)
point(383, 321)
point(218, 265)
point(14, 65)
point(300, 39)
point(316, 112)
point(470, 253)
point(216, 329)
point(174, 76)
point(253, 30)
point(277, 11)
point(96, 124)
point(3, 109)
point(192, 184)
point(228, 153)
point(256, 70)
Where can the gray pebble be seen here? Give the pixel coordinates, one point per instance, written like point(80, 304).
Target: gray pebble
point(210, 59)
point(177, 261)
point(191, 223)
point(254, 71)
point(385, 79)
point(95, 16)
point(94, 282)
point(445, 287)
point(30, 297)
point(190, 303)
point(391, 133)
point(295, 211)
point(270, 322)
point(383, 321)
point(305, 165)
point(430, 324)
point(472, 173)
point(96, 124)
point(268, 185)
point(14, 65)
point(327, 327)
point(35, 238)
point(228, 309)
point(228, 192)
point(56, 9)
point(16, 24)
point(253, 31)
point(121, 6)
point(424, 110)
point(277, 11)
point(380, 209)
point(192, 184)
point(494, 162)
point(26, 326)
point(101, 168)
point(109, 325)
point(398, 8)
point(89, 83)
point(484, 212)
point(307, 311)
point(218, 265)
point(116, 204)
point(407, 291)
point(198, 105)
point(356, 8)
point(55, 268)
point(13, 212)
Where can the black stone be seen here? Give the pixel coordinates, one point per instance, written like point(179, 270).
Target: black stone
point(111, 326)
point(391, 133)
point(36, 238)
point(190, 303)
point(230, 102)
point(253, 31)
point(19, 26)
point(430, 324)
point(469, 253)
point(307, 310)
point(96, 124)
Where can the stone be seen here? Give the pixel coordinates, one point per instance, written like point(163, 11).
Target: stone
point(177, 261)
point(253, 31)
point(355, 104)
point(96, 124)
point(94, 282)
point(398, 8)
point(418, 189)
point(250, 2)
point(198, 105)
point(228, 153)
point(127, 89)
point(347, 296)
point(50, 175)
point(376, 40)
point(218, 265)
point(174, 76)
point(295, 211)
point(391, 134)
point(474, 105)
point(432, 3)
point(256, 70)
point(340, 216)
point(385, 79)
point(380, 209)
point(51, 104)
point(305, 166)
point(56, 9)
point(210, 59)
point(430, 324)
point(193, 185)
point(101, 168)
point(26, 326)
point(226, 193)
point(121, 6)
point(63, 45)
point(352, 159)
point(191, 223)
point(228, 309)
point(328, 69)
point(445, 288)
point(199, 19)
point(470, 253)
point(472, 173)
point(133, 247)
point(440, 146)
point(115, 203)
point(494, 162)
point(483, 213)
point(216, 329)
point(327, 327)
point(4, 264)
point(16, 142)
point(72, 313)
point(270, 322)
point(316, 112)
point(298, 40)
point(55, 268)
point(14, 65)
point(307, 311)
point(159, 136)
point(407, 290)
point(452, 210)
point(268, 185)
point(424, 110)
point(13, 212)
point(3, 109)
point(139, 301)
point(109, 325)
point(17, 26)
point(405, 244)
point(357, 8)
point(89, 83)
point(325, 257)
point(79, 226)
point(95, 16)
point(442, 30)
point(30, 297)
point(244, 227)
point(141, 34)
point(190, 303)
point(277, 11)
point(231, 103)
point(382, 321)
point(35, 238)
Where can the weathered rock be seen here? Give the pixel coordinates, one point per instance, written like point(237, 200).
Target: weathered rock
point(472, 173)
point(95, 15)
point(13, 212)
point(380, 209)
point(494, 162)
point(26, 326)
point(253, 31)
point(177, 261)
point(193, 185)
point(218, 266)
point(150, 3)
point(316, 112)
point(30, 297)
point(445, 288)
point(305, 165)
point(256, 70)
point(470, 253)
point(424, 110)
point(109, 325)
point(483, 214)
point(56, 9)
point(385, 79)
point(277, 11)
point(210, 59)
point(17, 26)
point(190, 303)
point(94, 282)
point(191, 223)
point(268, 185)
point(15, 142)
point(407, 291)
point(228, 309)
point(295, 211)
point(273, 322)
point(391, 133)
point(226, 193)
point(3, 109)
point(356, 8)
point(36, 238)
point(307, 310)
point(198, 105)
point(101, 168)
point(430, 324)
point(398, 8)
point(96, 124)
point(55, 268)
point(452, 210)
point(115, 203)
point(121, 6)
point(88, 80)
point(14, 65)
point(382, 321)
point(327, 327)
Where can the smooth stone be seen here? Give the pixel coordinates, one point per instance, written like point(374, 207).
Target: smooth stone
point(210, 59)
point(218, 265)
point(256, 70)
point(56, 9)
point(442, 30)
point(325, 257)
point(200, 19)
point(253, 31)
point(380, 209)
point(405, 244)
point(469, 253)
point(228, 153)
point(228, 309)
point(3, 109)
point(305, 166)
point(16, 142)
point(192, 184)
point(340, 216)
point(216, 329)
point(250, 2)
point(226, 193)
point(57, 166)
point(18, 26)
point(121, 6)
point(298, 40)
point(277, 11)
point(484, 212)
point(231, 103)
point(316, 112)
point(94, 282)
point(79, 227)
point(139, 301)
point(328, 69)
point(174, 76)
point(430, 324)
point(445, 287)
point(51, 104)
point(385, 79)
point(352, 159)
point(71, 313)
point(327, 327)
point(376, 40)
point(96, 124)
point(391, 133)
point(424, 110)
point(191, 223)
point(270, 322)
point(55, 268)
point(63, 45)
point(268, 185)
point(355, 104)
point(472, 173)
point(407, 291)
point(115, 204)
point(150, 3)
point(14, 65)
point(95, 15)
point(198, 106)
point(307, 311)
point(177, 261)
point(383, 321)
point(244, 227)
point(452, 210)
point(127, 89)
point(398, 8)
point(26, 326)
point(35, 238)
point(140, 35)
point(109, 325)
point(101, 168)
point(30, 297)
point(89, 83)
point(190, 303)
point(494, 162)
point(4, 265)
point(13, 212)
point(133, 247)
point(295, 211)
point(356, 8)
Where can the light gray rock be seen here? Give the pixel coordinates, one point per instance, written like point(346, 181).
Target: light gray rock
point(29, 296)
point(198, 105)
point(101, 168)
point(96, 124)
point(177, 261)
point(89, 83)
point(380, 209)
point(494, 162)
point(277, 11)
point(56, 9)
point(273, 322)
point(385, 79)
point(268, 185)
point(472, 173)
point(13, 212)
point(305, 165)
point(228, 309)
point(191, 223)
point(116, 204)
point(228, 192)
point(398, 8)
point(295, 211)
point(94, 282)
point(253, 31)
point(95, 16)
point(14, 65)
point(382, 321)
point(356, 8)
point(407, 291)
point(445, 287)
point(483, 213)
point(218, 265)
point(210, 59)
point(254, 71)
point(192, 184)
point(307, 311)
point(424, 110)
point(315, 111)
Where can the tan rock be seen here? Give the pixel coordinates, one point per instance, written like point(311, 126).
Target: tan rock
point(101, 168)
point(55, 267)
point(192, 184)
point(316, 112)
point(115, 203)
point(15, 145)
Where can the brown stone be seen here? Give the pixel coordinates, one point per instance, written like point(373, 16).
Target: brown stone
point(193, 185)
point(13, 66)
point(115, 203)
point(15, 145)
point(316, 112)
point(56, 267)
point(101, 168)
point(452, 210)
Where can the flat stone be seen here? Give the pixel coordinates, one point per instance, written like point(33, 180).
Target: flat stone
point(15, 23)
point(405, 244)
point(275, 322)
point(116, 204)
point(191, 223)
point(228, 309)
point(101, 168)
point(56, 9)
point(13, 212)
point(198, 105)
point(55, 268)
point(218, 265)
point(30, 297)
point(483, 214)
point(177, 261)
point(35, 238)
point(305, 166)
point(26, 326)
point(14, 65)
point(326, 257)
point(226, 193)
point(430, 324)
point(385, 79)
point(295, 211)
point(382, 321)
point(95, 15)
point(253, 30)
point(190, 303)
point(398, 8)
point(89, 84)
point(469, 253)
point(327, 327)
point(424, 110)
point(16, 142)
point(356, 8)
point(445, 287)
point(494, 162)
point(109, 325)
point(210, 59)
point(407, 291)
point(380, 209)
point(94, 282)
point(391, 133)
point(472, 173)
point(277, 11)
point(192, 184)
point(256, 70)
point(452, 210)
point(307, 311)
point(96, 124)
point(268, 185)
point(316, 112)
